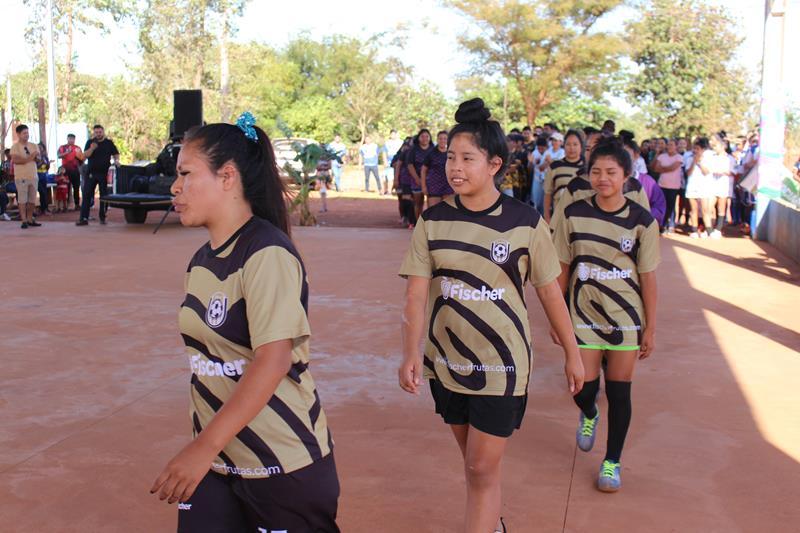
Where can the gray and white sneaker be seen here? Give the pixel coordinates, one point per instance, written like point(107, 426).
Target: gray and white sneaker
point(608, 480)
point(587, 430)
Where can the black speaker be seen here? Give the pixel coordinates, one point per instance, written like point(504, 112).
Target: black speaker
point(187, 110)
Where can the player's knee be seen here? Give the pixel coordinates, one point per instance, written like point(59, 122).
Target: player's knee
point(481, 472)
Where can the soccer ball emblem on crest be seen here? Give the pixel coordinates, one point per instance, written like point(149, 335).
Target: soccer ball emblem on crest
point(446, 285)
point(626, 244)
point(583, 272)
point(500, 251)
point(217, 310)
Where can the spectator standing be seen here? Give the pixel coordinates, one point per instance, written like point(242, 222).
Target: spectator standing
point(536, 160)
point(700, 187)
point(655, 197)
point(6, 183)
point(414, 160)
point(723, 168)
point(71, 156)
point(338, 148)
point(42, 167)
point(390, 149)
point(62, 190)
point(99, 152)
point(434, 179)
point(369, 155)
point(23, 156)
point(670, 165)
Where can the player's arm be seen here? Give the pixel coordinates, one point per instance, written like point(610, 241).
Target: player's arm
point(552, 298)
point(649, 299)
point(179, 479)
point(424, 178)
point(548, 204)
point(413, 171)
point(413, 325)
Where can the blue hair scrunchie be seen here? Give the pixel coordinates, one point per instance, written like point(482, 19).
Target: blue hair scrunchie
point(245, 122)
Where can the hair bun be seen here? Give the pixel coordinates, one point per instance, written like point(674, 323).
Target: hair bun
point(472, 111)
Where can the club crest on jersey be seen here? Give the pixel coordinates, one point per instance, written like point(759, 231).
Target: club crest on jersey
point(446, 285)
point(217, 310)
point(500, 251)
point(626, 244)
point(584, 272)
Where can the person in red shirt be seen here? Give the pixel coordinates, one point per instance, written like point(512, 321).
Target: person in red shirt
point(71, 157)
point(62, 190)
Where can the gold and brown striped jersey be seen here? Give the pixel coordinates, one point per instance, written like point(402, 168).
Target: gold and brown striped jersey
point(560, 174)
point(251, 291)
point(479, 339)
point(606, 252)
point(580, 188)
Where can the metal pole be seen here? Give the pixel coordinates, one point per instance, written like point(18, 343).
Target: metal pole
point(52, 136)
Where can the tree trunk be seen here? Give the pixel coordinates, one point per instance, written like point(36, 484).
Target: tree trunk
point(224, 72)
point(66, 89)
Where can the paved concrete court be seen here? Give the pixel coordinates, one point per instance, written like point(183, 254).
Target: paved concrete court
point(94, 392)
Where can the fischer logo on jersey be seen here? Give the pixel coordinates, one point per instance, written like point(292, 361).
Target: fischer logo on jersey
point(204, 367)
point(601, 274)
point(459, 291)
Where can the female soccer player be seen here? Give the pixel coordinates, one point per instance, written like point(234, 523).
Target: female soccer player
point(415, 158)
point(261, 458)
point(434, 179)
point(563, 171)
point(608, 248)
point(469, 259)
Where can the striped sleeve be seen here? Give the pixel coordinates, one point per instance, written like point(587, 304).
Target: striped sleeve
point(544, 266)
point(418, 259)
point(272, 287)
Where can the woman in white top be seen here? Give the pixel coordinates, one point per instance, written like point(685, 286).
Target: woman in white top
point(699, 186)
point(723, 167)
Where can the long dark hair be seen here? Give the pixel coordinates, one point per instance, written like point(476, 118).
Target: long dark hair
point(263, 187)
point(474, 118)
point(612, 147)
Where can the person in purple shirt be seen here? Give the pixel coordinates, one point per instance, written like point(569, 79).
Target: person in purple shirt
point(434, 179)
point(658, 204)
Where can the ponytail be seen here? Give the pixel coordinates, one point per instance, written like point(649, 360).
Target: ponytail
point(255, 159)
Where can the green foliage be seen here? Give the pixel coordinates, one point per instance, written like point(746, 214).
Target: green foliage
point(547, 48)
point(578, 110)
point(303, 180)
point(312, 117)
point(687, 82)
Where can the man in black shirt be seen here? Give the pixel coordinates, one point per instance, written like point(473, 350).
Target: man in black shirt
point(99, 151)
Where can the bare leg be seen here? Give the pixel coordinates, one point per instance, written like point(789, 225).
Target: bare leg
point(483, 465)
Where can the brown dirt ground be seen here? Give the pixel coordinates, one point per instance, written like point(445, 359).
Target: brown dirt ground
point(94, 389)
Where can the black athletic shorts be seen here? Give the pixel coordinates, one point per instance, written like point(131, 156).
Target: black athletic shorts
point(495, 415)
point(303, 501)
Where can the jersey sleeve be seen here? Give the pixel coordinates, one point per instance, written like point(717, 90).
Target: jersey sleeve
point(418, 258)
point(428, 159)
point(649, 254)
point(543, 266)
point(561, 237)
point(272, 285)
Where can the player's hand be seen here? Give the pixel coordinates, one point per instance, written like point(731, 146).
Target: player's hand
point(179, 479)
point(648, 343)
point(410, 374)
point(554, 336)
point(573, 369)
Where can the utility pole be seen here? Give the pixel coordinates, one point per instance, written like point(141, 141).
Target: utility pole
point(773, 112)
point(52, 131)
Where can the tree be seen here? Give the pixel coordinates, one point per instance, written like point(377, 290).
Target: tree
point(687, 82)
point(69, 17)
point(547, 48)
point(366, 98)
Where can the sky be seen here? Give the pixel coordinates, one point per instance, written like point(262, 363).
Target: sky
point(432, 32)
